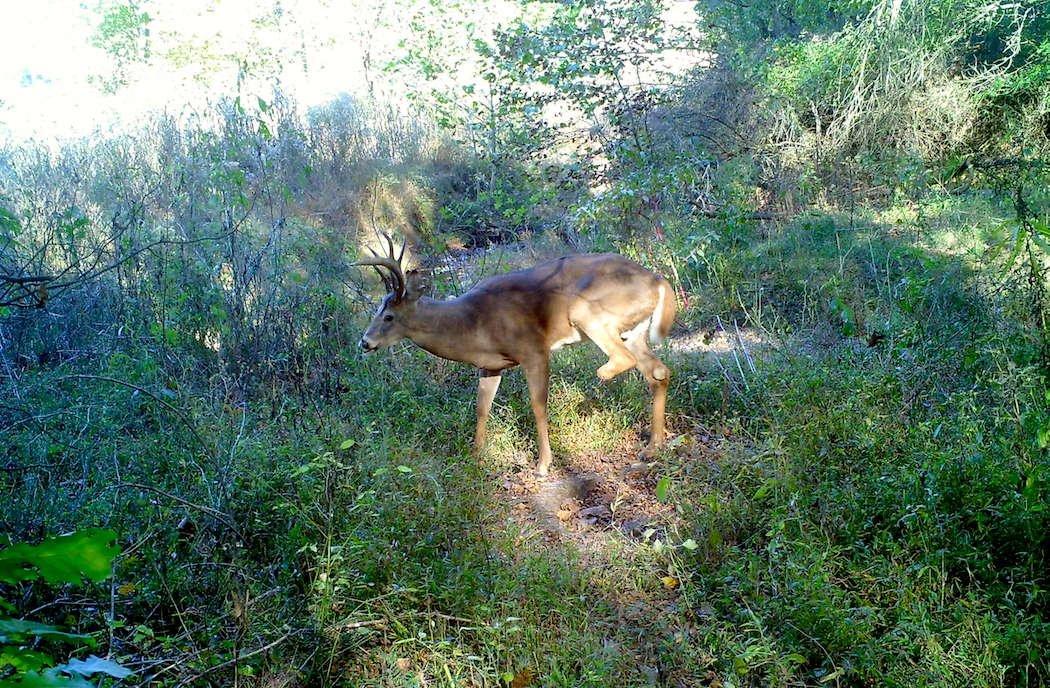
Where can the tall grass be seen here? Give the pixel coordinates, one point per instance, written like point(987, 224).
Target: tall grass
point(860, 500)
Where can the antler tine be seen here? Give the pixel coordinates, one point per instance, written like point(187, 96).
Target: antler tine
point(397, 284)
point(382, 237)
point(401, 254)
point(387, 284)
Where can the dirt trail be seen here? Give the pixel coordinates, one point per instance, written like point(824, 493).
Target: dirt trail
point(603, 504)
point(592, 499)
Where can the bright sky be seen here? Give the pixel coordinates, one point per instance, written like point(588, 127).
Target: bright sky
point(44, 60)
point(317, 49)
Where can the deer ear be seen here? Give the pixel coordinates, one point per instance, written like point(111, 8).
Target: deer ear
point(417, 283)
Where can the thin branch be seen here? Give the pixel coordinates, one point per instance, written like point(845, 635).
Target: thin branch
point(215, 513)
point(178, 414)
point(239, 658)
point(53, 285)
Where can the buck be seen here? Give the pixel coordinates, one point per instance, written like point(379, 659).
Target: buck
point(519, 318)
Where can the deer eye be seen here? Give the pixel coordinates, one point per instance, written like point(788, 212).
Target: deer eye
point(388, 317)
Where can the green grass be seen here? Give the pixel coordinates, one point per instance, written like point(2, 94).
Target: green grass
point(862, 515)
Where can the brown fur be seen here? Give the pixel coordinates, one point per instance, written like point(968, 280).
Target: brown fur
point(518, 317)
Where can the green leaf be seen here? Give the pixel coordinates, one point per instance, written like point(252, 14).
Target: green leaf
point(17, 630)
point(63, 559)
point(662, 487)
point(764, 489)
point(404, 469)
point(24, 660)
point(1031, 488)
point(1038, 225)
point(346, 444)
point(48, 679)
point(95, 665)
point(1042, 242)
point(690, 544)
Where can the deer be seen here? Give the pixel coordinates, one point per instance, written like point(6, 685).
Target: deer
point(519, 318)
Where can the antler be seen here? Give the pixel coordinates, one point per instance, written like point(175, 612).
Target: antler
point(396, 283)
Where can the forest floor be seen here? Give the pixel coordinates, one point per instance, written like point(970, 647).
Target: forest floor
point(594, 498)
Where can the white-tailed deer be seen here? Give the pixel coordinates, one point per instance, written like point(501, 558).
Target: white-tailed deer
point(519, 318)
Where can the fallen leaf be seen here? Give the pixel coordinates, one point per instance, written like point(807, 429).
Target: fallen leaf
point(523, 679)
point(593, 514)
point(635, 526)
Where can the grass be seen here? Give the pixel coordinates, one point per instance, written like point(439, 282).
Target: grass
point(844, 514)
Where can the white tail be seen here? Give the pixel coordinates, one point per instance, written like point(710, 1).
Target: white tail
point(657, 331)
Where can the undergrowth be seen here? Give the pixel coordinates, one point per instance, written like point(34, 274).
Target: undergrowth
point(867, 505)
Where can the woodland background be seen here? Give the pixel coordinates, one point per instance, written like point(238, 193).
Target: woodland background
point(851, 199)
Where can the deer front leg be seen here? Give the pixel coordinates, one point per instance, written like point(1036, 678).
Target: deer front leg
point(488, 383)
point(537, 374)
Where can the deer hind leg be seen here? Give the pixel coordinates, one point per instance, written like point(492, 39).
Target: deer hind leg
point(657, 375)
point(488, 383)
point(620, 357)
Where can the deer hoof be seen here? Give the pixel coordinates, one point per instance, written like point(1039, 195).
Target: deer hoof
point(651, 450)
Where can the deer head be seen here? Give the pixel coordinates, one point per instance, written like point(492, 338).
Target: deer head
point(392, 320)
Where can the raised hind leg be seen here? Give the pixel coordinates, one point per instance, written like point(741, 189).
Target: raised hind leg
point(620, 357)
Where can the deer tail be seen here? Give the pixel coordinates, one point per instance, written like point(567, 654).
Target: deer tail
point(663, 315)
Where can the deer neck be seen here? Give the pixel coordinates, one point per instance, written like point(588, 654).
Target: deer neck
point(441, 327)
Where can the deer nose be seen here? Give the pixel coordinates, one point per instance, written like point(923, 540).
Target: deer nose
point(367, 346)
